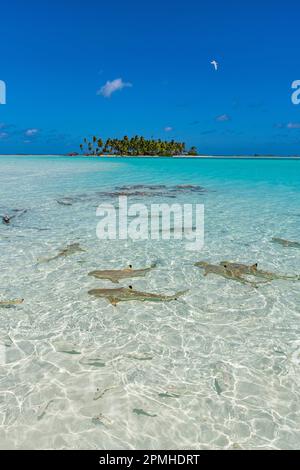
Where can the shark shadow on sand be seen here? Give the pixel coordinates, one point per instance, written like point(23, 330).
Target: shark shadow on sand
point(286, 243)
point(70, 250)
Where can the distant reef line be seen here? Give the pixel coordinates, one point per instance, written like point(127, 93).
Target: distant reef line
point(199, 156)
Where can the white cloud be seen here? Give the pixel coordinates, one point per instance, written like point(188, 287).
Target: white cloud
point(293, 125)
point(223, 118)
point(168, 129)
point(110, 87)
point(31, 132)
point(3, 125)
point(289, 125)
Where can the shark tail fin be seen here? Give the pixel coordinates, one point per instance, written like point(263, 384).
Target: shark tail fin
point(201, 264)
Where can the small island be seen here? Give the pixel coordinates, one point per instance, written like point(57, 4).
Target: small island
point(135, 146)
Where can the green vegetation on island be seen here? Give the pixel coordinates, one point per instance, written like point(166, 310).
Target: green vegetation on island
point(136, 146)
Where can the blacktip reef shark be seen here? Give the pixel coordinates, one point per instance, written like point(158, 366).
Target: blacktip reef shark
point(253, 270)
point(123, 294)
point(10, 303)
point(6, 219)
point(141, 412)
point(228, 273)
point(116, 275)
point(68, 251)
point(286, 243)
point(65, 201)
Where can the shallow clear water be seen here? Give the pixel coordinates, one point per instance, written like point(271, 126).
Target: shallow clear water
point(219, 368)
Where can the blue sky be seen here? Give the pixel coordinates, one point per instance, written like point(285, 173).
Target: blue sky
point(56, 56)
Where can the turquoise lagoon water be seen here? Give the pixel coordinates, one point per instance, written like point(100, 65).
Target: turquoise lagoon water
point(219, 368)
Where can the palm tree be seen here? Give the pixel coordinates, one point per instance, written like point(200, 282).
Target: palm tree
point(192, 151)
point(136, 145)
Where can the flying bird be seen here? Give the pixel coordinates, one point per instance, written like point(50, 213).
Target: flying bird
point(215, 64)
